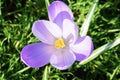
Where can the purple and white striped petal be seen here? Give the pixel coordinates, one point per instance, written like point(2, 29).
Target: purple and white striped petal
point(62, 59)
point(60, 18)
point(82, 47)
point(57, 7)
point(70, 31)
point(36, 55)
point(46, 31)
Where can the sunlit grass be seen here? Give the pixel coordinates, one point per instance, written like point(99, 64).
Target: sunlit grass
point(16, 19)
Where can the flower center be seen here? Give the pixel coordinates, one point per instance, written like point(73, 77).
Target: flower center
point(59, 43)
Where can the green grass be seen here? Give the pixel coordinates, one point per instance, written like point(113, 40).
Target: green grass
point(16, 19)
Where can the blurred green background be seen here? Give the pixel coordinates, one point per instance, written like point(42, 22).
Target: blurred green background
point(16, 19)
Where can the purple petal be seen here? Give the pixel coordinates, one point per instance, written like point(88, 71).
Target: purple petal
point(36, 55)
point(70, 30)
point(62, 59)
point(46, 31)
point(57, 7)
point(60, 18)
point(83, 47)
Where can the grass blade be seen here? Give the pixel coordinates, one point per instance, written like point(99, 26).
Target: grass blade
point(21, 71)
point(47, 3)
point(0, 7)
point(114, 72)
point(45, 77)
point(85, 25)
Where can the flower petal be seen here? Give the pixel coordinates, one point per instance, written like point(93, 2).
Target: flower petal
point(70, 30)
point(36, 55)
point(83, 47)
point(46, 31)
point(56, 7)
point(62, 59)
point(60, 18)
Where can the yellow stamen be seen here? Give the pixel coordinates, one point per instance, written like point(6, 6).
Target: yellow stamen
point(59, 43)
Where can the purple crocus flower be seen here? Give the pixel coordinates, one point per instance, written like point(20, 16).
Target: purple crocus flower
point(59, 44)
